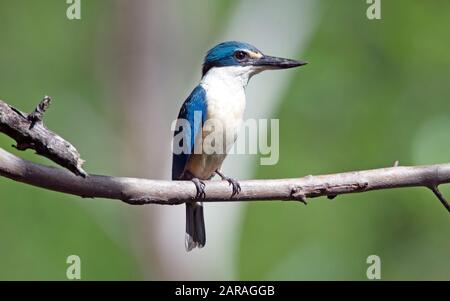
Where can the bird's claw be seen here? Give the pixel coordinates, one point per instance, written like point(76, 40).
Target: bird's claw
point(235, 184)
point(200, 186)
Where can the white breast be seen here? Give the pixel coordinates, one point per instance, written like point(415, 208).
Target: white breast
point(225, 98)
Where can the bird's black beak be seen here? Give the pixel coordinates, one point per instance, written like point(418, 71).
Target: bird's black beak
point(271, 62)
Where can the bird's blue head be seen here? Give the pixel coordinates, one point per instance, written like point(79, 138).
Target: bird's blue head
point(234, 53)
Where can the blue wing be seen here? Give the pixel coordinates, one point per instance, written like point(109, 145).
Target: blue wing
point(196, 102)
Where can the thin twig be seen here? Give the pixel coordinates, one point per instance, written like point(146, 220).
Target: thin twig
point(441, 198)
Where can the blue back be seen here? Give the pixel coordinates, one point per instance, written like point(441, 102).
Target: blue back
point(223, 55)
point(195, 102)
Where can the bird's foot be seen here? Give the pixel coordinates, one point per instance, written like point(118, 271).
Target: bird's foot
point(200, 186)
point(234, 183)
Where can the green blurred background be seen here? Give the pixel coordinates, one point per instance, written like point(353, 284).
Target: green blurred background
point(373, 93)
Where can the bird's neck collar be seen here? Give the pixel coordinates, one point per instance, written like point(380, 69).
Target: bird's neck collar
point(236, 76)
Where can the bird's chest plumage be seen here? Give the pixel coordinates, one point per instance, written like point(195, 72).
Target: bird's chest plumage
point(225, 99)
point(225, 108)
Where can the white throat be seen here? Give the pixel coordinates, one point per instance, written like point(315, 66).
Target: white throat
point(225, 94)
point(233, 76)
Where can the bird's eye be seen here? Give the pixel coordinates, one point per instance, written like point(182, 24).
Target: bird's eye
point(240, 55)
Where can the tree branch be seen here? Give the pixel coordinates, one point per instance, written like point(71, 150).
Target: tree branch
point(141, 191)
point(29, 132)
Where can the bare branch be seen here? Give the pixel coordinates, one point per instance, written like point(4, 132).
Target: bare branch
point(141, 191)
point(30, 132)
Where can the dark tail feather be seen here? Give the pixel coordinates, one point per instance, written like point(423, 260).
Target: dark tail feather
point(195, 226)
point(200, 226)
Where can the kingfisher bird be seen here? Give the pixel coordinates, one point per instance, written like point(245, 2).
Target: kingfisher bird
point(220, 97)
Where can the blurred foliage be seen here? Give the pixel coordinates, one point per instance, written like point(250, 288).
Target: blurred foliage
point(43, 53)
point(374, 92)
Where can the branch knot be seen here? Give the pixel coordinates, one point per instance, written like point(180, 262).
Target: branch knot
point(38, 114)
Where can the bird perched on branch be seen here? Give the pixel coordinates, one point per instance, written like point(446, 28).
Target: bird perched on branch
point(215, 108)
